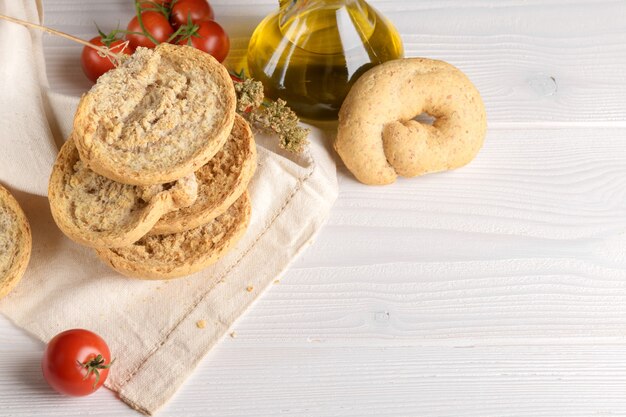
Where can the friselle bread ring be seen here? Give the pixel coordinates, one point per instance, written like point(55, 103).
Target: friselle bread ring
point(179, 254)
point(15, 242)
point(378, 138)
point(98, 212)
point(159, 116)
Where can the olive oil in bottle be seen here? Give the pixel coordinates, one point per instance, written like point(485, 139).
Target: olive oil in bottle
point(310, 52)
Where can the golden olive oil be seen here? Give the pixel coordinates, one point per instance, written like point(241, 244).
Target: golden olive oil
point(311, 52)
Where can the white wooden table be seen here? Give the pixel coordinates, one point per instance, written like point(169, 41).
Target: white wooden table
point(495, 290)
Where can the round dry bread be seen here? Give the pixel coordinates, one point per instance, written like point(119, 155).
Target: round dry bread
point(179, 254)
point(161, 115)
point(15, 242)
point(220, 182)
point(378, 138)
point(99, 212)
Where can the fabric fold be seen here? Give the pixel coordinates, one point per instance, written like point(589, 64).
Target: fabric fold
point(27, 153)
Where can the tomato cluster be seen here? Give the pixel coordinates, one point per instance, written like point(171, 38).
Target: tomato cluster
point(184, 22)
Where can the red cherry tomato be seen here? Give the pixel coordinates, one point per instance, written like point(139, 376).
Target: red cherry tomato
point(76, 362)
point(95, 65)
point(198, 10)
point(156, 25)
point(209, 37)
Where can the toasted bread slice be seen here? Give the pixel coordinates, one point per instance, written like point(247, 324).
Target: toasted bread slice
point(15, 242)
point(99, 212)
point(220, 183)
point(161, 115)
point(179, 254)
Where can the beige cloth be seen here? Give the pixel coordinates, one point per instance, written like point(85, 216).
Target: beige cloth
point(150, 326)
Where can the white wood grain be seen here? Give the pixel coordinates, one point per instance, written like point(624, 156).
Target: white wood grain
point(466, 380)
point(495, 290)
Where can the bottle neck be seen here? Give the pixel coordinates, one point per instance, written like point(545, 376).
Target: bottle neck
point(290, 8)
point(287, 5)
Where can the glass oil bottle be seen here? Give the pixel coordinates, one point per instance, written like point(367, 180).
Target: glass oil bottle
point(310, 52)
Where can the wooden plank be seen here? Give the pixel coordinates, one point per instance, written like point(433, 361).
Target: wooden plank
point(534, 301)
point(510, 381)
point(237, 381)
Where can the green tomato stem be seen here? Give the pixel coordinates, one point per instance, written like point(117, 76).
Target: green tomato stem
point(93, 366)
point(141, 25)
point(175, 34)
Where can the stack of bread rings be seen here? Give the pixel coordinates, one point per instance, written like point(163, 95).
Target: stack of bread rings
point(154, 176)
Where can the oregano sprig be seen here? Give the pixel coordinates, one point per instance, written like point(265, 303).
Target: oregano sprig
point(273, 117)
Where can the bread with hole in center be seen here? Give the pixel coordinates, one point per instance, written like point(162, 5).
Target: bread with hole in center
point(15, 242)
point(99, 212)
point(159, 116)
point(179, 254)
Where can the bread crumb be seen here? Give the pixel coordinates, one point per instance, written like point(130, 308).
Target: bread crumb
point(233, 335)
point(201, 324)
point(250, 288)
point(276, 281)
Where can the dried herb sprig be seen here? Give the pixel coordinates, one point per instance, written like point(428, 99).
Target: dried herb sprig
point(249, 95)
point(273, 117)
point(277, 118)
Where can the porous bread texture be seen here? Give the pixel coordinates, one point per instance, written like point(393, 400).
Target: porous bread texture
point(15, 242)
point(377, 137)
point(161, 115)
point(98, 212)
point(179, 254)
point(220, 182)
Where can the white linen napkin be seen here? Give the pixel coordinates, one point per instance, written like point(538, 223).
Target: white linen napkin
point(158, 331)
